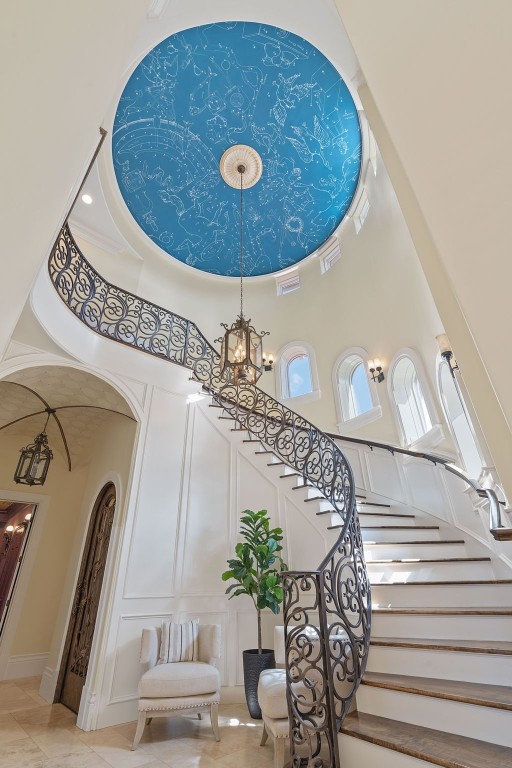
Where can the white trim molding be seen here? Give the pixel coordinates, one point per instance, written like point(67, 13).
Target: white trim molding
point(346, 423)
point(283, 358)
point(27, 665)
point(435, 434)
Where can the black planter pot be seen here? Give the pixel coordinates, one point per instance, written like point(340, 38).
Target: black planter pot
point(254, 664)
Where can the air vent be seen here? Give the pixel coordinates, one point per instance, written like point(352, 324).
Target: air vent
point(329, 254)
point(287, 283)
point(361, 211)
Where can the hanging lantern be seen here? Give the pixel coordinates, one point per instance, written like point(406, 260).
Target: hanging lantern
point(34, 462)
point(241, 354)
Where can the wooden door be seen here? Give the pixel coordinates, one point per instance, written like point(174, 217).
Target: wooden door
point(87, 597)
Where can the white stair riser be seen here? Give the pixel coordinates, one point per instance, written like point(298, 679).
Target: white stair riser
point(472, 721)
point(443, 627)
point(398, 550)
point(378, 533)
point(442, 595)
point(382, 572)
point(484, 668)
point(387, 518)
point(356, 753)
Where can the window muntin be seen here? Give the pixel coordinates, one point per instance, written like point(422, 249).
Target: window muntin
point(410, 400)
point(298, 374)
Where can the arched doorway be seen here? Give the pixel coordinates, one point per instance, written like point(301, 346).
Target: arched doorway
point(77, 649)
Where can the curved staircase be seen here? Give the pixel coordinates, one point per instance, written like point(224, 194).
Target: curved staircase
point(436, 686)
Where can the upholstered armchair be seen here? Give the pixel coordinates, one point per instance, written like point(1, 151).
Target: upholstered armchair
point(168, 688)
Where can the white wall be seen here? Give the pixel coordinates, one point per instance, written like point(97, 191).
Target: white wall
point(190, 486)
point(63, 60)
point(436, 105)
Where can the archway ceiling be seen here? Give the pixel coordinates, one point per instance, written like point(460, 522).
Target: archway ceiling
point(206, 88)
point(59, 386)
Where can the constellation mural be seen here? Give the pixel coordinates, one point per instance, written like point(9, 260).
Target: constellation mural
point(201, 91)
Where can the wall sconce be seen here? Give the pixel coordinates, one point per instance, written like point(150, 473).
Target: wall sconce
point(268, 362)
point(375, 368)
point(11, 530)
point(446, 352)
point(8, 534)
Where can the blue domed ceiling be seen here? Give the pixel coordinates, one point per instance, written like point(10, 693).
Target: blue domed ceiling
point(205, 89)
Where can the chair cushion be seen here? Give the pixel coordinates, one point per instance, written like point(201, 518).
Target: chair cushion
point(179, 642)
point(187, 678)
point(272, 693)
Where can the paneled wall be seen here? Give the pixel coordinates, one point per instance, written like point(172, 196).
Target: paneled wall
point(195, 478)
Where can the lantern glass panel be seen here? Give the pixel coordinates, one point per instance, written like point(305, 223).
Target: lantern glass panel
point(256, 349)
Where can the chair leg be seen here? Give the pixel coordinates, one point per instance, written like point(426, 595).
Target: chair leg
point(264, 736)
point(199, 715)
point(141, 722)
point(279, 747)
point(214, 717)
point(149, 720)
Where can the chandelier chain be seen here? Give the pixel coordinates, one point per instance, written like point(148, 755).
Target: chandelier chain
point(241, 170)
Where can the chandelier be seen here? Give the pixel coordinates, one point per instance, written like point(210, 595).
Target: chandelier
point(241, 354)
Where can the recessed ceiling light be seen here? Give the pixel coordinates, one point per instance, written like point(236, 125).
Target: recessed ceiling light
point(87, 199)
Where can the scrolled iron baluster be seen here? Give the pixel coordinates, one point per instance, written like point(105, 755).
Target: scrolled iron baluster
point(326, 612)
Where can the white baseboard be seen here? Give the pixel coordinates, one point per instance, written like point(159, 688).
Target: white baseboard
point(28, 665)
point(48, 684)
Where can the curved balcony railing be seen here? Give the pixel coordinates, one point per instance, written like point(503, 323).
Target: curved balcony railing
point(498, 531)
point(326, 611)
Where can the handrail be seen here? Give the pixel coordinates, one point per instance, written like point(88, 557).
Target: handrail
point(327, 611)
point(496, 527)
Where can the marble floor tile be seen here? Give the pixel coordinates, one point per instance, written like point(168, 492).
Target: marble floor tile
point(35, 734)
point(10, 729)
point(84, 760)
point(22, 753)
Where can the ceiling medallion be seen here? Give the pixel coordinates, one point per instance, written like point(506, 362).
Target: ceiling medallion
point(233, 158)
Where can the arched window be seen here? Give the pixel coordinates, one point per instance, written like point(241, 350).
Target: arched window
point(296, 372)
point(356, 396)
point(459, 421)
point(410, 400)
point(299, 376)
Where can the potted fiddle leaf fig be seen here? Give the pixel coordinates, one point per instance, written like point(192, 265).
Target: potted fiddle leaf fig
point(256, 571)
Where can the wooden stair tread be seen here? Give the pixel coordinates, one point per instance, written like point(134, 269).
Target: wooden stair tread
point(501, 647)
point(400, 528)
point(374, 504)
point(497, 696)
point(445, 611)
point(409, 543)
point(364, 514)
point(465, 583)
point(445, 749)
point(413, 560)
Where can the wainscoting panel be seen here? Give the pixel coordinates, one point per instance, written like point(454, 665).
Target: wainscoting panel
point(206, 531)
point(383, 475)
point(155, 527)
point(127, 667)
point(306, 546)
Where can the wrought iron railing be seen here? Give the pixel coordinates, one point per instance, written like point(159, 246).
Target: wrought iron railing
point(497, 530)
point(326, 611)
